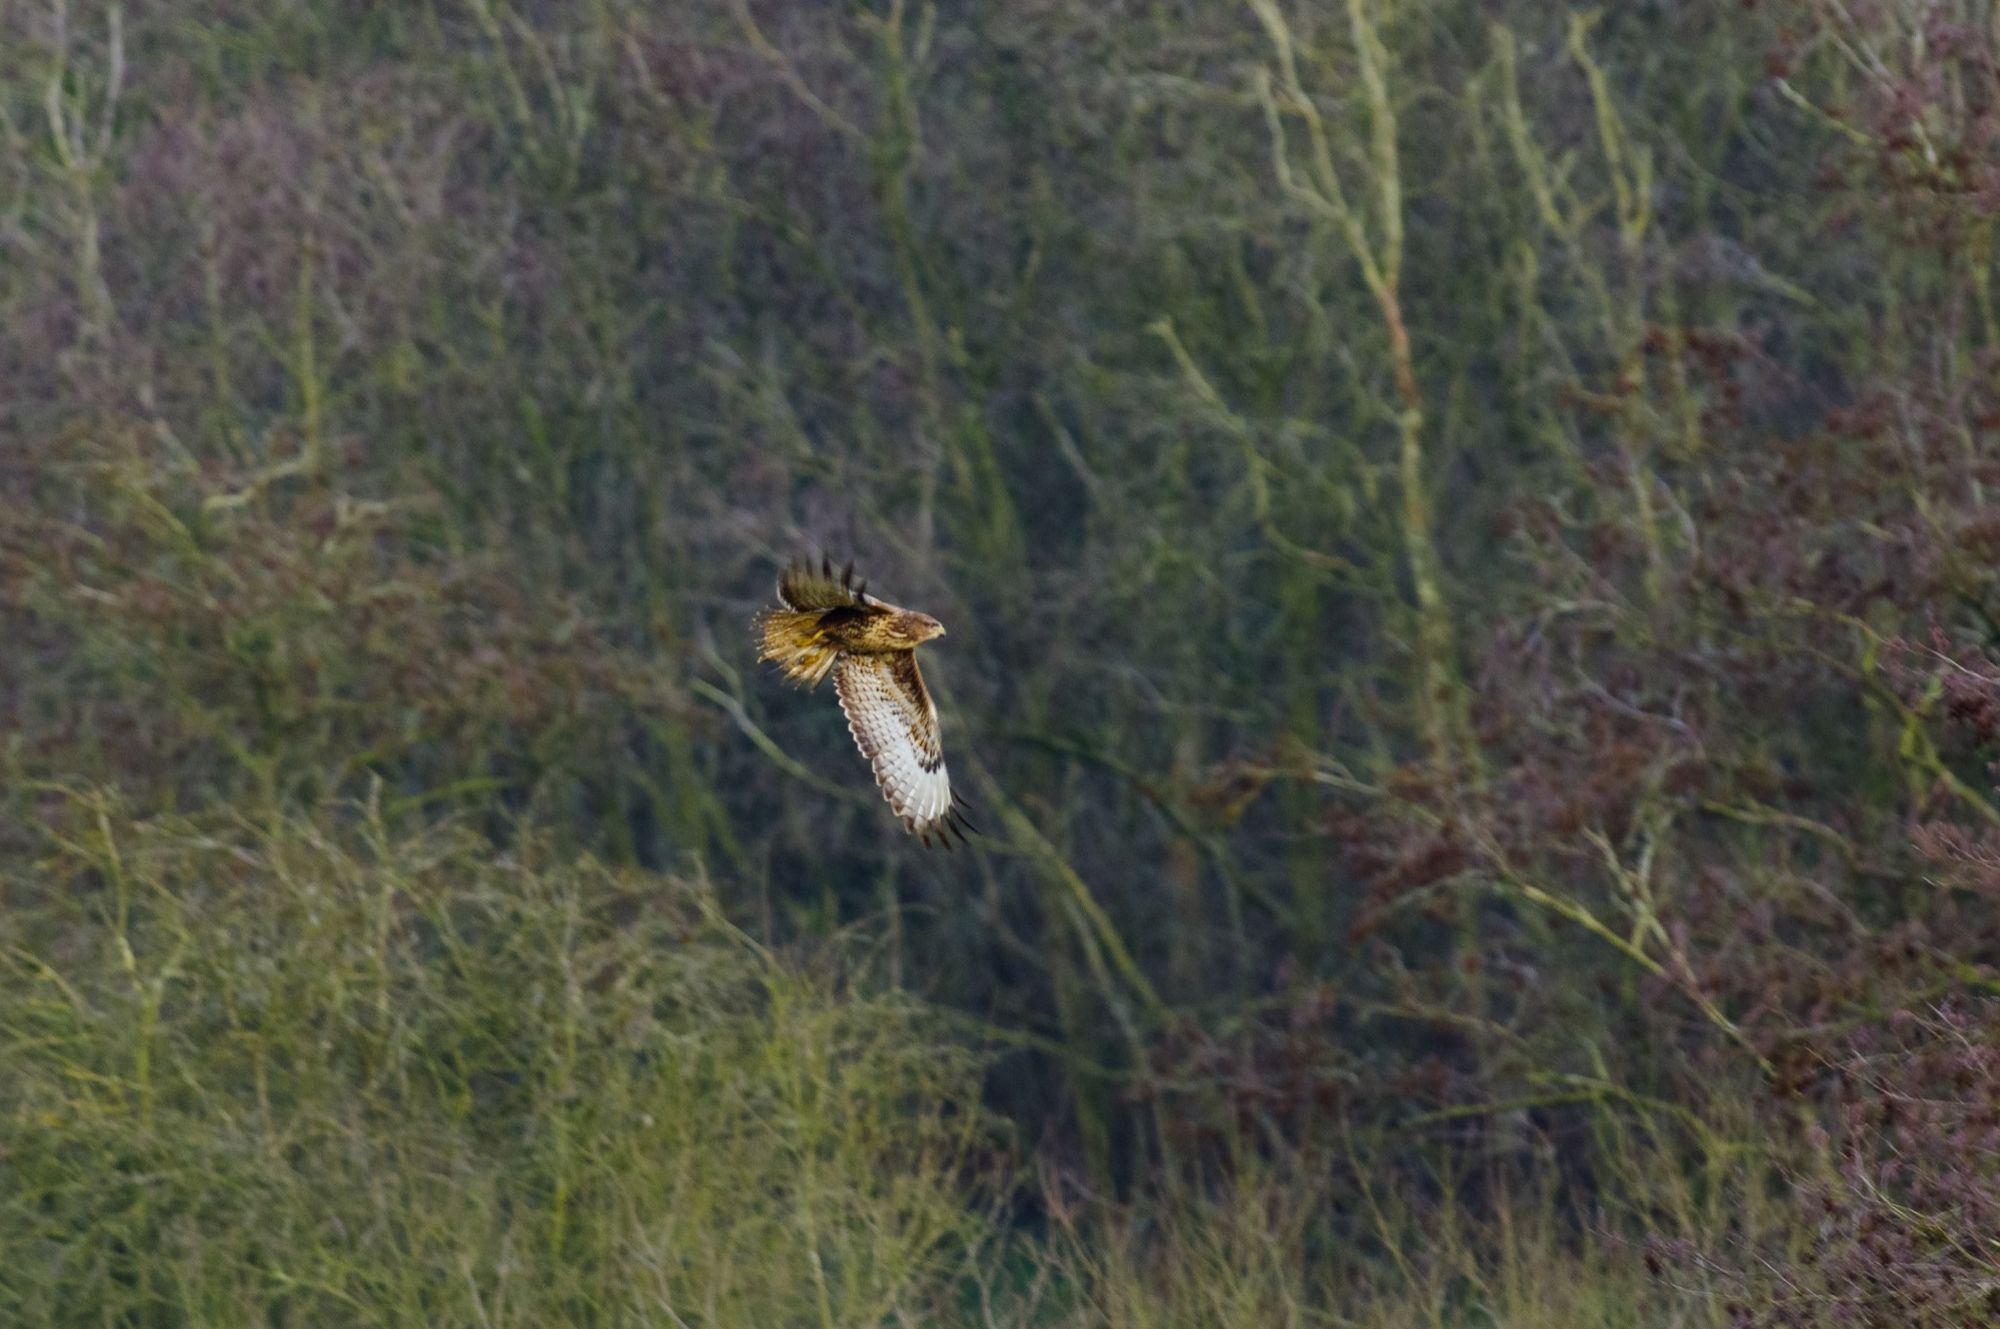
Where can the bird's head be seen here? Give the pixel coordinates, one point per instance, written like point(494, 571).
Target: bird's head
point(918, 628)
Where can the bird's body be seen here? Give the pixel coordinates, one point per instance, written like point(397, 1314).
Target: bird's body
point(829, 624)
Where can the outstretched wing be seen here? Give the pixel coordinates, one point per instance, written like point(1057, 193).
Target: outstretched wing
point(803, 587)
point(895, 724)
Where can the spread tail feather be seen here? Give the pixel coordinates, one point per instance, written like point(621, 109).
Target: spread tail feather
point(795, 640)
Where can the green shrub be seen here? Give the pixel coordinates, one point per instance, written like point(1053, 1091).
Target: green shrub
point(308, 1076)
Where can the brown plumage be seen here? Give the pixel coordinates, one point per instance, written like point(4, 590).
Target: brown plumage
point(830, 624)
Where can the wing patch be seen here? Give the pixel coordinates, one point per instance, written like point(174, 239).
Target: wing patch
point(894, 723)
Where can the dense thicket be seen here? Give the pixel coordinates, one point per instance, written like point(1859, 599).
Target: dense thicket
point(1475, 645)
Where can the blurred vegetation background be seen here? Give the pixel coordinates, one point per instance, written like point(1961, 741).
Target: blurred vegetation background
point(1475, 645)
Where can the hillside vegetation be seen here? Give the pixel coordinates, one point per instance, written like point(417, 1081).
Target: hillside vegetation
point(1474, 646)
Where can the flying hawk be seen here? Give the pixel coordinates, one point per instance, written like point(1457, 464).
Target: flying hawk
point(830, 624)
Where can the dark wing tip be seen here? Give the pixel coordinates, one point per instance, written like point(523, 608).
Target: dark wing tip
point(953, 822)
point(802, 586)
point(957, 815)
point(938, 834)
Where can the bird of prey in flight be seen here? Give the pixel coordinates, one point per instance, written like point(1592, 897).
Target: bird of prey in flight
point(828, 623)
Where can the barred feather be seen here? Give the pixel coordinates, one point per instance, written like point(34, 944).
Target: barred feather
point(797, 643)
point(894, 723)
